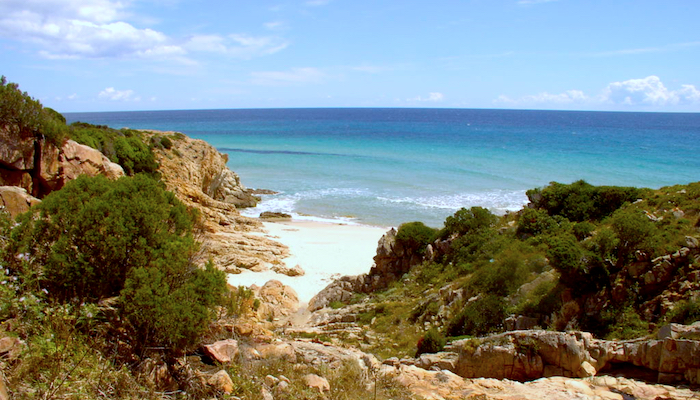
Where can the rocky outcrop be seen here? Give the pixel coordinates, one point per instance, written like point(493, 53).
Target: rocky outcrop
point(391, 261)
point(197, 168)
point(41, 167)
point(529, 355)
point(197, 173)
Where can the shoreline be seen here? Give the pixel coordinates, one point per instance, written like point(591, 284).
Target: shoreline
point(324, 250)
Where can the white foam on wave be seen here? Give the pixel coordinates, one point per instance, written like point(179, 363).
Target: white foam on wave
point(499, 201)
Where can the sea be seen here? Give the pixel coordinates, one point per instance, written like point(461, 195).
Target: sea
point(383, 167)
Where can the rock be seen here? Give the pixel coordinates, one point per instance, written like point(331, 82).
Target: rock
point(317, 382)
point(282, 388)
point(275, 216)
point(16, 200)
point(223, 351)
point(197, 173)
point(276, 300)
point(283, 351)
point(271, 381)
point(283, 269)
point(266, 395)
point(221, 381)
point(11, 347)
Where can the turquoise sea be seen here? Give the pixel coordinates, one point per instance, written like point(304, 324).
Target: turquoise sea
point(387, 166)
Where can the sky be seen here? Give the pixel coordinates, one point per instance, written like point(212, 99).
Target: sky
point(123, 55)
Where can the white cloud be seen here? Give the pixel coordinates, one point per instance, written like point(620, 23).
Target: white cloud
point(433, 97)
point(275, 25)
point(647, 92)
point(236, 45)
point(77, 29)
point(113, 94)
point(291, 77)
point(81, 29)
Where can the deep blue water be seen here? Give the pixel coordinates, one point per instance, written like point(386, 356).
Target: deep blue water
point(388, 166)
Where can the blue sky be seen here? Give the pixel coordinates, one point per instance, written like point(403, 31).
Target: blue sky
point(104, 55)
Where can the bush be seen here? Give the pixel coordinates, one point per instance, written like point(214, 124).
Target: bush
point(685, 312)
point(583, 229)
point(432, 342)
point(467, 221)
point(125, 147)
point(634, 231)
point(17, 108)
point(534, 222)
point(479, 317)
point(581, 201)
point(415, 236)
point(97, 238)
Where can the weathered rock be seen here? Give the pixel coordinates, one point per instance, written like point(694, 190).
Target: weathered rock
point(223, 351)
point(317, 382)
point(16, 200)
point(275, 216)
point(289, 271)
point(276, 300)
point(281, 350)
point(17, 150)
point(221, 381)
point(527, 355)
point(197, 173)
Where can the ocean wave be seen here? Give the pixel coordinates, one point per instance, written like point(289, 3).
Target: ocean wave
point(499, 201)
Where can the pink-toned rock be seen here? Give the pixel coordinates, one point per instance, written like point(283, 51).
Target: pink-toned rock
point(221, 381)
point(223, 351)
point(317, 382)
point(77, 159)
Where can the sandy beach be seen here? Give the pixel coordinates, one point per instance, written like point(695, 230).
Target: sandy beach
point(323, 250)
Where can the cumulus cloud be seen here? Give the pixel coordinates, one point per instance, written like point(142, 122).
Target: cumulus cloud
point(294, 76)
point(433, 97)
point(65, 29)
point(113, 94)
point(648, 92)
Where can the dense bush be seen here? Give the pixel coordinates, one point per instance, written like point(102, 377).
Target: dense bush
point(17, 108)
point(479, 317)
point(415, 236)
point(432, 342)
point(129, 238)
point(581, 201)
point(125, 147)
point(467, 221)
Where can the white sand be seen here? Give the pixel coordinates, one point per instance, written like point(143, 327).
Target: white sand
point(323, 250)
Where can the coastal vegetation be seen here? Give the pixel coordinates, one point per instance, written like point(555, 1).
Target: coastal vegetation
point(595, 258)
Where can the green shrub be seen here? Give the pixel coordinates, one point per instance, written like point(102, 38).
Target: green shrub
point(581, 201)
point(125, 147)
point(415, 236)
point(90, 234)
point(467, 221)
point(97, 238)
point(534, 222)
point(685, 312)
point(479, 317)
point(432, 342)
point(634, 231)
point(583, 229)
point(17, 108)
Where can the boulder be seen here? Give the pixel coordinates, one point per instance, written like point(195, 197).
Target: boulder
point(16, 200)
point(317, 382)
point(276, 300)
point(223, 351)
point(221, 381)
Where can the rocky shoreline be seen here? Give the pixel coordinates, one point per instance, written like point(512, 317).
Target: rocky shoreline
point(512, 365)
